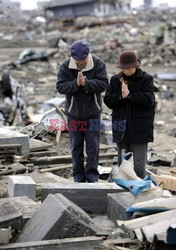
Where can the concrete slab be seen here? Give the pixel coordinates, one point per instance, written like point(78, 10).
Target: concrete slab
point(36, 145)
point(91, 197)
point(57, 218)
point(87, 243)
point(10, 216)
point(117, 205)
point(104, 226)
point(20, 185)
point(26, 206)
point(5, 235)
point(46, 178)
point(12, 137)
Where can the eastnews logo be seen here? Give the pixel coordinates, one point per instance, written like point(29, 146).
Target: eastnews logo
point(91, 125)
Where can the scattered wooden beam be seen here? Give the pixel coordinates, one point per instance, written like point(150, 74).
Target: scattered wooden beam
point(43, 153)
point(166, 181)
point(55, 168)
point(67, 159)
point(87, 243)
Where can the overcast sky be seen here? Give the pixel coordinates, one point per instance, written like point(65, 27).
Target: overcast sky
point(31, 4)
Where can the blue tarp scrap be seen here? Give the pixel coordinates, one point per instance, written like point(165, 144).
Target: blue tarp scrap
point(135, 187)
point(148, 210)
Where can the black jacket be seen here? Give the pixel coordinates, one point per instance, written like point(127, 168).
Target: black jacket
point(83, 102)
point(137, 109)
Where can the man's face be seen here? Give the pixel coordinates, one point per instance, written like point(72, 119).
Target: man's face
point(129, 72)
point(82, 63)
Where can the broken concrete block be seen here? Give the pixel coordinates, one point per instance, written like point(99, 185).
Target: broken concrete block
point(5, 235)
point(87, 243)
point(91, 197)
point(19, 185)
point(10, 216)
point(57, 218)
point(103, 225)
point(117, 205)
point(12, 137)
point(25, 205)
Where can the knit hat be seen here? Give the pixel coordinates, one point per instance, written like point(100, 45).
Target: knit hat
point(79, 50)
point(127, 60)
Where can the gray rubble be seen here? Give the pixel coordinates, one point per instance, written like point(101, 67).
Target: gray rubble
point(64, 220)
point(46, 155)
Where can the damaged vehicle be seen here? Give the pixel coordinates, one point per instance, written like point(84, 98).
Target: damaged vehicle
point(13, 109)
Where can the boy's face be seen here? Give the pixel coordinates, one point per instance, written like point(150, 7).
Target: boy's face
point(129, 72)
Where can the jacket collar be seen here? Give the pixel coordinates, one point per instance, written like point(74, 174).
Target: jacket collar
point(139, 74)
point(89, 65)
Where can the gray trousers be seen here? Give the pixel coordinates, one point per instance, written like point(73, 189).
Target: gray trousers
point(139, 153)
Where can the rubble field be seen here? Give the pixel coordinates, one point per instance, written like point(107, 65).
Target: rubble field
point(40, 205)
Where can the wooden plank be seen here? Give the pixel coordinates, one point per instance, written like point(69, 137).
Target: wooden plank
point(121, 244)
point(166, 181)
point(87, 243)
point(58, 136)
point(66, 159)
point(43, 153)
point(55, 168)
point(122, 241)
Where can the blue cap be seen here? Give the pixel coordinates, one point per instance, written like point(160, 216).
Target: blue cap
point(79, 49)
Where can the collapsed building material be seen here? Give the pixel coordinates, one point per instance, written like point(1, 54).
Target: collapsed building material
point(152, 206)
point(117, 205)
point(166, 181)
point(67, 159)
point(10, 216)
point(14, 168)
point(8, 150)
point(81, 194)
point(64, 220)
point(26, 206)
point(12, 137)
point(53, 169)
point(30, 55)
point(12, 101)
point(5, 235)
point(42, 153)
point(160, 226)
point(87, 243)
point(46, 179)
point(19, 185)
point(146, 220)
point(37, 145)
point(104, 227)
point(166, 76)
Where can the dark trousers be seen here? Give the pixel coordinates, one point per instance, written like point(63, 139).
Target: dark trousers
point(139, 153)
point(88, 172)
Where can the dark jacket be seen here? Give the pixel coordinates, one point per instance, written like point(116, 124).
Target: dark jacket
point(83, 102)
point(137, 109)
